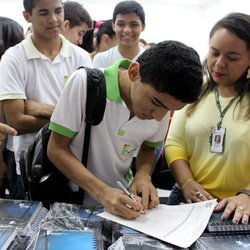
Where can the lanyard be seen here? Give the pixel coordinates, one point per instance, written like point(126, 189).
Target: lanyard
point(222, 112)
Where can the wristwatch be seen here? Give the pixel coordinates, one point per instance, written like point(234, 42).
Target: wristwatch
point(244, 191)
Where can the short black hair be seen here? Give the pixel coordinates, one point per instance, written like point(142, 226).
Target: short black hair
point(128, 7)
point(29, 5)
point(174, 68)
point(76, 14)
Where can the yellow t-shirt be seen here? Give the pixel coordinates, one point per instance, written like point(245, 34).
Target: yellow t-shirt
point(221, 174)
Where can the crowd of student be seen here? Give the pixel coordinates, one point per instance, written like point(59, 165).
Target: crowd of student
point(145, 83)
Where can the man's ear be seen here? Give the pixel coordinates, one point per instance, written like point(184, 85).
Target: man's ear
point(134, 71)
point(66, 25)
point(143, 26)
point(26, 16)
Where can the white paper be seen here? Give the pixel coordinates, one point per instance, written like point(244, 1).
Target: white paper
point(179, 225)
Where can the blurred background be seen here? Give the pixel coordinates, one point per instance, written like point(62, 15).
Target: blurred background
point(188, 21)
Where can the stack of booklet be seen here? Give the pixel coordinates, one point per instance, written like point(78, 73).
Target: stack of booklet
point(19, 221)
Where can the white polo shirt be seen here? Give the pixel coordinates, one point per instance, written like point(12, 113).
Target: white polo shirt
point(107, 58)
point(28, 74)
point(115, 139)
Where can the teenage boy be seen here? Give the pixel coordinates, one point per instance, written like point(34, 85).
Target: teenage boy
point(128, 23)
point(140, 97)
point(77, 21)
point(33, 74)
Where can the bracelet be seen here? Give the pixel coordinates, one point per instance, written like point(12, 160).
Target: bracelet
point(244, 191)
point(185, 183)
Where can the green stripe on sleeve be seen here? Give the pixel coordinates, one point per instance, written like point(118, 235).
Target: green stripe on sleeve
point(61, 130)
point(153, 144)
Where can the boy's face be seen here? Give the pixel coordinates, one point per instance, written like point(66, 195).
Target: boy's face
point(128, 28)
point(74, 34)
point(150, 104)
point(46, 19)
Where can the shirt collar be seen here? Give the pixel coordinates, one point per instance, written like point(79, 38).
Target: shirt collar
point(31, 52)
point(112, 81)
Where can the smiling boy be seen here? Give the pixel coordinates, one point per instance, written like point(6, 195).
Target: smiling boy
point(128, 23)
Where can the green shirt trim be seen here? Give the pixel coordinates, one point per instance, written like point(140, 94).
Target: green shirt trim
point(62, 130)
point(153, 144)
point(112, 81)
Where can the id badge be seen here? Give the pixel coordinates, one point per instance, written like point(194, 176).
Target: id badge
point(217, 140)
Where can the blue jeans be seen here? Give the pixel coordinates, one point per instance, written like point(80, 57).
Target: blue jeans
point(176, 197)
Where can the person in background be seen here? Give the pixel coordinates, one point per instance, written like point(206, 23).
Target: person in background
point(11, 33)
point(97, 25)
point(105, 38)
point(140, 95)
point(202, 170)
point(34, 72)
point(128, 23)
point(142, 42)
point(77, 21)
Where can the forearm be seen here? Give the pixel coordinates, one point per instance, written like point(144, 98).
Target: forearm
point(181, 172)
point(38, 109)
point(16, 117)
point(27, 124)
point(145, 162)
point(70, 166)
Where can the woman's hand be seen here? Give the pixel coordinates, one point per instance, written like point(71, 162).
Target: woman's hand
point(238, 206)
point(194, 192)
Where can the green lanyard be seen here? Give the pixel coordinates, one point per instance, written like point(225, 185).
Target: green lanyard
point(222, 113)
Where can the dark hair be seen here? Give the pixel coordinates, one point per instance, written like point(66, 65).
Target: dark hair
point(29, 5)
point(172, 67)
point(76, 14)
point(127, 7)
point(105, 28)
point(238, 24)
point(88, 41)
point(11, 33)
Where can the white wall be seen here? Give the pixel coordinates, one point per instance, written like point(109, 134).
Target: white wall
point(164, 19)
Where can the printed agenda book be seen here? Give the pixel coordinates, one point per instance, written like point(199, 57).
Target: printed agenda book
point(7, 235)
point(67, 239)
point(18, 213)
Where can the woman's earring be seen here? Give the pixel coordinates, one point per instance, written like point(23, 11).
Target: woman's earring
point(248, 73)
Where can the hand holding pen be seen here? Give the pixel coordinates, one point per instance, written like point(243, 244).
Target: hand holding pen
point(127, 193)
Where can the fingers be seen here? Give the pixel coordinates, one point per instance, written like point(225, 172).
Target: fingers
point(6, 129)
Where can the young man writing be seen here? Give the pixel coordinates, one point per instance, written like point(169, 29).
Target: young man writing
point(140, 96)
point(33, 73)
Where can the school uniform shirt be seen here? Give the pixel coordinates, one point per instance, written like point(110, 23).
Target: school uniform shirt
point(28, 74)
point(110, 56)
point(221, 174)
point(115, 139)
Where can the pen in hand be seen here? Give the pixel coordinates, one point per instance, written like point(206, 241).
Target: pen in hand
point(125, 191)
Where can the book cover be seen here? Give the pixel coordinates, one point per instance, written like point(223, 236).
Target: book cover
point(222, 242)
point(67, 239)
point(7, 235)
point(216, 225)
point(18, 213)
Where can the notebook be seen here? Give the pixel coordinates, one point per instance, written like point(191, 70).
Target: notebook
point(18, 213)
point(67, 239)
point(216, 226)
point(7, 235)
